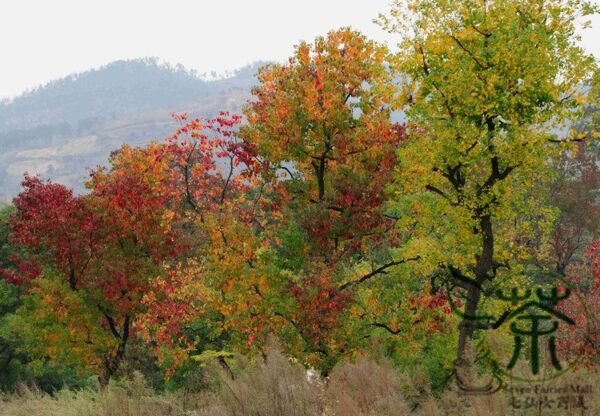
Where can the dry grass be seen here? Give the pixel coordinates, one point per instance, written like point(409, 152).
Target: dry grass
point(276, 387)
point(271, 388)
point(116, 401)
point(366, 388)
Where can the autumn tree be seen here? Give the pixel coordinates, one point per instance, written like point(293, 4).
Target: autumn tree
point(141, 236)
point(100, 252)
point(210, 301)
point(484, 84)
point(323, 122)
point(19, 361)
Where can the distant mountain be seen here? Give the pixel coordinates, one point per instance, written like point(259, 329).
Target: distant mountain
point(60, 129)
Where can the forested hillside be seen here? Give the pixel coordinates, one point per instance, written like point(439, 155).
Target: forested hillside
point(68, 125)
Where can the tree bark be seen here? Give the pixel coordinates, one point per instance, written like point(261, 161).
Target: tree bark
point(113, 361)
point(483, 271)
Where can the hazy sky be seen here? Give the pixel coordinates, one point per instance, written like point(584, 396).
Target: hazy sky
point(44, 40)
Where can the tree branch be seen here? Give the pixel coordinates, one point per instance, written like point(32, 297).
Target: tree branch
point(375, 272)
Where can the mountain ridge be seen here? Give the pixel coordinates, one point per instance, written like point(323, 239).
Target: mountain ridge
point(60, 129)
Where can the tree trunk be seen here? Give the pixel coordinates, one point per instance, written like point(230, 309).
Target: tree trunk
point(113, 361)
point(104, 377)
point(483, 272)
point(465, 362)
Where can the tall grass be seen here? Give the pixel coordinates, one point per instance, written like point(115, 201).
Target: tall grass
point(277, 387)
point(116, 401)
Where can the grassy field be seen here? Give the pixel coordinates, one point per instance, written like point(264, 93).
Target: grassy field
point(276, 387)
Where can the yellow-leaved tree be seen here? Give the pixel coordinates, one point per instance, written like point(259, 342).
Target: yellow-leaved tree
point(488, 87)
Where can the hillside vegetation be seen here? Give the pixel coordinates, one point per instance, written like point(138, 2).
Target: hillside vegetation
point(68, 125)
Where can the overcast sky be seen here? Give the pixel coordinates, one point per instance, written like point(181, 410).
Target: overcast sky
point(43, 40)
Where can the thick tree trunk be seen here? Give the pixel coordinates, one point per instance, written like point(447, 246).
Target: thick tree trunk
point(483, 272)
point(468, 326)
